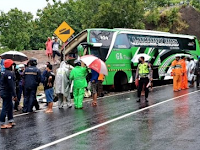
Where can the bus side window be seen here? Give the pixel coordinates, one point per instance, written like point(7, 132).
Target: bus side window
point(122, 42)
point(94, 51)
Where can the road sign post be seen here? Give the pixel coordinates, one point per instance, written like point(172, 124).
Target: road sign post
point(64, 32)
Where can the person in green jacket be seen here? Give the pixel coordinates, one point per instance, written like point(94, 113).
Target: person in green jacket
point(78, 74)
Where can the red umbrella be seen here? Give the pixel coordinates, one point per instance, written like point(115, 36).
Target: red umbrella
point(95, 63)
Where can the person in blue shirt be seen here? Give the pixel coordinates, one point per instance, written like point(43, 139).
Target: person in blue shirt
point(2, 65)
point(32, 79)
point(94, 81)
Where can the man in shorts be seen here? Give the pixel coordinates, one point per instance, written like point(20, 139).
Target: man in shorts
point(94, 82)
point(48, 88)
point(55, 48)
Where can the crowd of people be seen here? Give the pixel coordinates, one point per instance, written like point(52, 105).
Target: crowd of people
point(184, 71)
point(18, 80)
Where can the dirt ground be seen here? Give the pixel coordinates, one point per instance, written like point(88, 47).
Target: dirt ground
point(192, 18)
point(41, 57)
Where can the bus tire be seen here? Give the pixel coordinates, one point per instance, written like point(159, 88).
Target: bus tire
point(121, 81)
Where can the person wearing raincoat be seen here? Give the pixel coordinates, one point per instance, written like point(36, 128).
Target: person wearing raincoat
point(177, 74)
point(49, 51)
point(191, 70)
point(78, 75)
point(184, 82)
point(63, 84)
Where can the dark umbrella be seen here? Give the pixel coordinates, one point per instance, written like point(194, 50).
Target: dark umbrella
point(14, 55)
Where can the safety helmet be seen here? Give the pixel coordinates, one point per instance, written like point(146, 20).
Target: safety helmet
point(8, 63)
point(77, 62)
point(33, 61)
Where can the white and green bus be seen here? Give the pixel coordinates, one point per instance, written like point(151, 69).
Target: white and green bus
point(118, 48)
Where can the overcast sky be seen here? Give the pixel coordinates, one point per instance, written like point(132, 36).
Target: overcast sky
point(24, 5)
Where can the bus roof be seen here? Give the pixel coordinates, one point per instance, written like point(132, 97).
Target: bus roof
point(83, 35)
point(159, 34)
point(144, 32)
point(140, 30)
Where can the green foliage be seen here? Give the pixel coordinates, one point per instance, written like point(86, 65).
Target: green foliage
point(16, 29)
point(112, 13)
point(51, 17)
point(3, 49)
point(195, 3)
point(168, 20)
point(152, 17)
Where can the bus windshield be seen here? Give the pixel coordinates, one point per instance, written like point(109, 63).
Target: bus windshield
point(104, 37)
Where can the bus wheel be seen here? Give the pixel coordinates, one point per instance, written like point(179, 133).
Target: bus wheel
point(120, 81)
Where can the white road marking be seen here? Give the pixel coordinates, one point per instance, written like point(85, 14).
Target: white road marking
point(23, 114)
point(110, 121)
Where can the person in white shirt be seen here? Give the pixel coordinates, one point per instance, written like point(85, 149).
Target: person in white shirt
point(55, 48)
point(191, 69)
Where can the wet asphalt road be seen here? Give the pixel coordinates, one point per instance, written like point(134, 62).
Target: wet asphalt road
point(158, 125)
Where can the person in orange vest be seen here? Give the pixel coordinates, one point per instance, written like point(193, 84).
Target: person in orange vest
point(177, 73)
point(184, 83)
point(100, 86)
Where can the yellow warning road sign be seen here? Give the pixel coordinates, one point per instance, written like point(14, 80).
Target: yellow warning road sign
point(64, 31)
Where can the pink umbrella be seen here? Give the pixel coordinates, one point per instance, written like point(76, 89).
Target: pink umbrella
point(95, 63)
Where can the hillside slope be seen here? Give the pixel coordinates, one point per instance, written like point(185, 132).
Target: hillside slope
point(192, 18)
point(41, 57)
point(185, 21)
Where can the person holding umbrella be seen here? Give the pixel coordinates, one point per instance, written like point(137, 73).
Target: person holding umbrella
point(94, 81)
point(78, 75)
point(100, 92)
point(7, 93)
point(98, 67)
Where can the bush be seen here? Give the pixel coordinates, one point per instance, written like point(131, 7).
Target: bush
point(152, 17)
point(3, 49)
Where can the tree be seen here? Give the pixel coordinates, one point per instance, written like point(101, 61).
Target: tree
point(16, 29)
point(19, 31)
point(51, 17)
point(196, 3)
point(112, 13)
